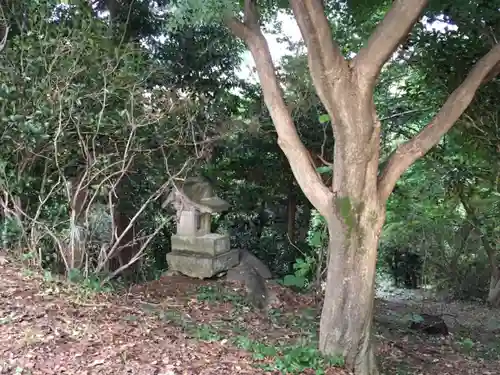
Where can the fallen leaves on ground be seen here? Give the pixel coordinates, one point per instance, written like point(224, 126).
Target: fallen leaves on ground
point(47, 328)
point(44, 329)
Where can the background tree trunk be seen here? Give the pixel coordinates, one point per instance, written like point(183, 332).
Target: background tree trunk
point(494, 292)
point(291, 212)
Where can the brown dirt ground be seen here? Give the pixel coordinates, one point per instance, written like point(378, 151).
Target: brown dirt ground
point(169, 327)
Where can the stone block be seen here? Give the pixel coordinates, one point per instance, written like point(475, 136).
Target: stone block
point(247, 257)
point(201, 266)
point(211, 244)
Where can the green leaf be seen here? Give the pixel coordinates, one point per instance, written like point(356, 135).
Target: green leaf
point(292, 280)
point(324, 169)
point(324, 118)
point(316, 239)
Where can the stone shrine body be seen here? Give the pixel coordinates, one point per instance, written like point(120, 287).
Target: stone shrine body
point(196, 252)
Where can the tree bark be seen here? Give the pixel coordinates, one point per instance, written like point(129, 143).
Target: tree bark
point(346, 319)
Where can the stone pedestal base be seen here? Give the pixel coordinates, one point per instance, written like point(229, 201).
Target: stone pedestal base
point(211, 244)
point(202, 266)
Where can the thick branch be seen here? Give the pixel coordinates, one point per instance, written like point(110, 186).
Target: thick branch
point(326, 63)
point(250, 25)
point(494, 72)
point(407, 153)
point(288, 139)
point(389, 33)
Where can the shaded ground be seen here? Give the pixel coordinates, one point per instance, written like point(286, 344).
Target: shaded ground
point(177, 326)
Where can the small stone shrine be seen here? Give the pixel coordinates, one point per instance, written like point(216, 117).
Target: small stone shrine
point(196, 252)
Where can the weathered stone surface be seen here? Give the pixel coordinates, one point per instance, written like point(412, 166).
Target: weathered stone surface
point(214, 204)
point(199, 265)
point(171, 272)
point(247, 257)
point(187, 223)
point(209, 244)
point(254, 283)
point(197, 192)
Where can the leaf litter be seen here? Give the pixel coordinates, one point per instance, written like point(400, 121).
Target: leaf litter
point(164, 327)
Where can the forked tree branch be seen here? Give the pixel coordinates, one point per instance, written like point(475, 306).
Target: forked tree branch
point(387, 36)
point(326, 63)
point(288, 138)
point(407, 153)
point(249, 27)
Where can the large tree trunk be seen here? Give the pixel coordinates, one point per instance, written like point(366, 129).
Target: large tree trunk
point(346, 319)
point(355, 219)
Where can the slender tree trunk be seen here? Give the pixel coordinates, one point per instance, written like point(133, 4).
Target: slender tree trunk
point(494, 291)
point(291, 212)
point(305, 220)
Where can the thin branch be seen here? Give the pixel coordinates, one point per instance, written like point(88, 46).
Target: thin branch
point(387, 36)
point(399, 114)
point(116, 245)
point(137, 255)
point(3, 42)
point(407, 153)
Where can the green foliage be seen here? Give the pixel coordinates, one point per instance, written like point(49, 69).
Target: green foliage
point(427, 211)
point(82, 90)
point(324, 118)
point(88, 115)
point(305, 268)
point(11, 233)
point(295, 360)
point(289, 359)
point(207, 333)
point(467, 344)
point(92, 283)
point(211, 294)
point(85, 83)
point(189, 12)
point(259, 350)
point(303, 273)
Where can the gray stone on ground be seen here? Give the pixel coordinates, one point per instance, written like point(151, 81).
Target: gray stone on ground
point(246, 257)
point(248, 275)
